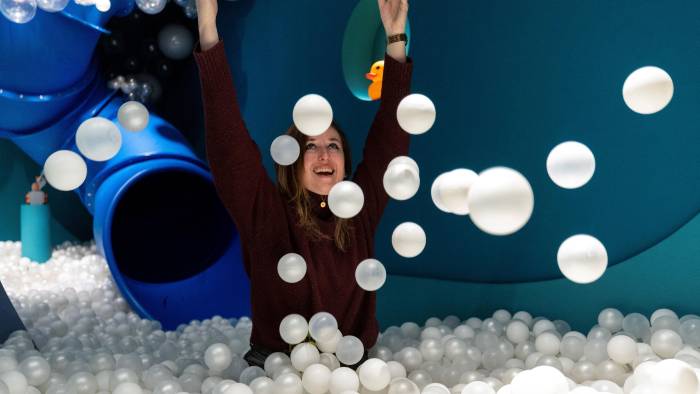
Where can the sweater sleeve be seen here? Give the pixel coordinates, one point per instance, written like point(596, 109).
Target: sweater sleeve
point(235, 161)
point(385, 141)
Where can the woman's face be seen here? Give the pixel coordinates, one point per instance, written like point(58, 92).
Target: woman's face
point(324, 162)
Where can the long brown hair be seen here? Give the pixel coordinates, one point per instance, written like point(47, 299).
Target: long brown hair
point(289, 183)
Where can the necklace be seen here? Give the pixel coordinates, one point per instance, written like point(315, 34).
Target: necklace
point(323, 203)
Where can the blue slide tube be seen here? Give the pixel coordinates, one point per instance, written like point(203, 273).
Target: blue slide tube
point(171, 246)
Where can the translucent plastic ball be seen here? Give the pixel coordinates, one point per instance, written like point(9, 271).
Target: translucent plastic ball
point(316, 379)
point(622, 349)
point(517, 332)
point(312, 115)
point(52, 5)
point(690, 332)
point(329, 346)
point(133, 116)
point(151, 7)
point(408, 239)
point(175, 42)
point(547, 343)
point(218, 357)
point(403, 386)
point(103, 5)
point(128, 388)
point(349, 350)
point(611, 319)
point(346, 199)
point(647, 90)
point(435, 193)
point(36, 369)
point(291, 268)
point(285, 150)
point(344, 379)
point(661, 313)
point(405, 160)
point(453, 190)
point(294, 329)
point(65, 170)
point(370, 274)
point(436, 388)
point(288, 383)
point(374, 374)
point(582, 258)
point(570, 164)
point(500, 201)
point(401, 181)
point(478, 387)
point(303, 355)
point(323, 326)
point(666, 343)
point(18, 11)
point(416, 114)
point(98, 139)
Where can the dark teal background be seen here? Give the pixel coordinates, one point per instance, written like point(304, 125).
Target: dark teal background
point(510, 80)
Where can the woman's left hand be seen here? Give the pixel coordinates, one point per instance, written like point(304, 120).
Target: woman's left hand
point(393, 13)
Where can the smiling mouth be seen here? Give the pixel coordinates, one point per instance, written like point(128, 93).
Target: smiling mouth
point(324, 172)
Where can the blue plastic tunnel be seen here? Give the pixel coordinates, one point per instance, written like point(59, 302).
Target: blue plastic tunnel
point(171, 247)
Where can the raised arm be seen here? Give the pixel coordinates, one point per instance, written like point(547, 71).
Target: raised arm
point(235, 161)
point(386, 139)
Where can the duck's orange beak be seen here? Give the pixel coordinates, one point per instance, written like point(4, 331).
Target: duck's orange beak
point(370, 76)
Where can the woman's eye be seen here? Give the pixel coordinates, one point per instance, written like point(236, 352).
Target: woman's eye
point(334, 146)
point(310, 146)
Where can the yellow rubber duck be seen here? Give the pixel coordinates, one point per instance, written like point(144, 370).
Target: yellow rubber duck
point(376, 75)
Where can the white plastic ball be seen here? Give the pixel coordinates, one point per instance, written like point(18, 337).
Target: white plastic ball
point(323, 326)
point(370, 274)
point(435, 193)
point(478, 387)
point(517, 332)
point(401, 181)
point(151, 7)
point(52, 5)
point(346, 199)
point(175, 42)
point(416, 114)
point(103, 5)
point(218, 357)
point(128, 388)
point(582, 258)
point(344, 379)
point(98, 139)
point(316, 379)
point(291, 267)
point(408, 239)
point(288, 383)
point(666, 343)
point(312, 115)
point(570, 164)
point(65, 170)
point(350, 350)
point(453, 190)
point(133, 116)
point(374, 374)
point(622, 349)
point(647, 90)
point(285, 150)
point(18, 11)
point(500, 201)
point(303, 355)
point(294, 329)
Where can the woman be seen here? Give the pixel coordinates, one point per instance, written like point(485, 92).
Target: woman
point(293, 216)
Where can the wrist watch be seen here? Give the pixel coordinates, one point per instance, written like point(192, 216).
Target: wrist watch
point(396, 38)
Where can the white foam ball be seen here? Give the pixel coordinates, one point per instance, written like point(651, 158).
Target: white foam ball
point(285, 150)
point(312, 115)
point(98, 139)
point(453, 189)
point(408, 239)
point(294, 328)
point(647, 90)
point(346, 199)
point(500, 201)
point(374, 374)
point(291, 267)
point(133, 116)
point(316, 379)
point(401, 181)
point(218, 357)
point(416, 114)
point(65, 170)
point(370, 274)
point(349, 350)
point(570, 164)
point(582, 258)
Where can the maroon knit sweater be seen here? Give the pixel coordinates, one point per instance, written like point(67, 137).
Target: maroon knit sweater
point(268, 223)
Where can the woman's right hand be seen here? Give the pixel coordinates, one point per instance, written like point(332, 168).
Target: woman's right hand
point(206, 18)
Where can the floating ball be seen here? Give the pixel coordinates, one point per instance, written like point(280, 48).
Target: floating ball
point(312, 115)
point(370, 274)
point(151, 7)
point(52, 5)
point(18, 11)
point(294, 329)
point(345, 199)
point(103, 5)
point(285, 150)
point(401, 180)
point(435, 193)
point(408, 239)
point(500, 201)
point(349, 350)
point(98, 139)
point(65, 170)
point(374, 374)
point(453, 190)
point(570, 164)
point(647, 90)
point(291, 267)
point(175, 42)
point(133, 116)
point(582, 258)
point(416, 114)
point(323, 326)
